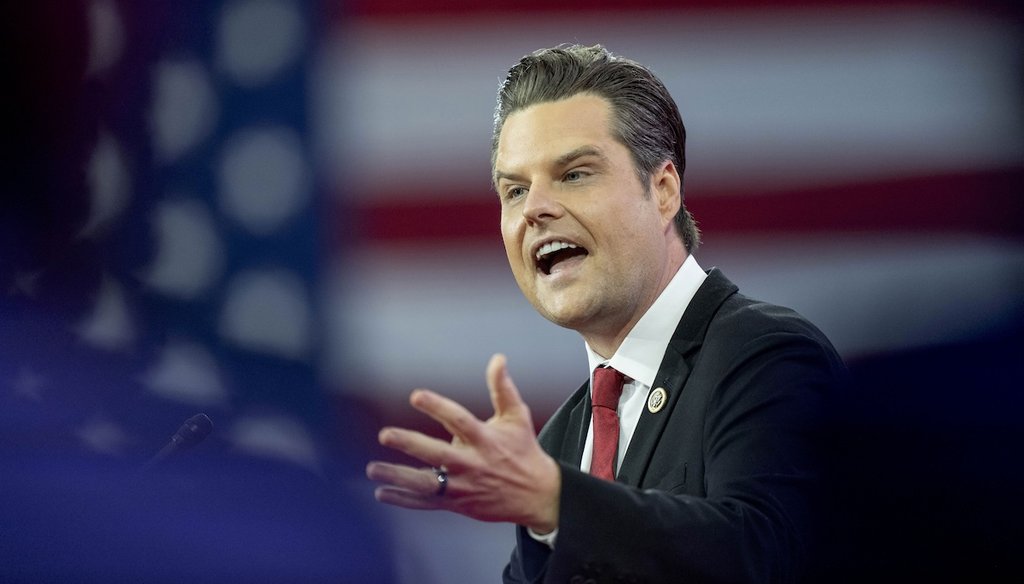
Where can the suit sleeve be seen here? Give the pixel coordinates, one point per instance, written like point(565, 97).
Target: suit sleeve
point(763, 411)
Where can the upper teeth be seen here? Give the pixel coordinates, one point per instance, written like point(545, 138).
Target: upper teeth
point(553, 246)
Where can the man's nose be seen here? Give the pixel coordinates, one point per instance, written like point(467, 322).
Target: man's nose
point(541, 204)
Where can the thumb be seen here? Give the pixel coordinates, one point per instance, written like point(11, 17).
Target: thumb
point(504, 396)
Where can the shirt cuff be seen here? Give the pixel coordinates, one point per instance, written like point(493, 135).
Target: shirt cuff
point(547, 539)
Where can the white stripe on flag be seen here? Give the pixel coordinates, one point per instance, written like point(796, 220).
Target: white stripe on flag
point(780, 99)
point(432, 317)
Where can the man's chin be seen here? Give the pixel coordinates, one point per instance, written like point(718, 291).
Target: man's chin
point(567, 315)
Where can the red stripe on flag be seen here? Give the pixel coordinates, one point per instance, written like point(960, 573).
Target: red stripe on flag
point(449, 9)
point(989, 203)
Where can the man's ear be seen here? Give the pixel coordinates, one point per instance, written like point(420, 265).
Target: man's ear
point(665, 187)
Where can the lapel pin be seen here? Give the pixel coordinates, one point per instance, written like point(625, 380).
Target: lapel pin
point(657, 400)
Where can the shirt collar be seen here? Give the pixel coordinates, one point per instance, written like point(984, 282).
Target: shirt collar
point(640, 354)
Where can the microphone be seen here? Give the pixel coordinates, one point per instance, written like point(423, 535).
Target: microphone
point(192, 432)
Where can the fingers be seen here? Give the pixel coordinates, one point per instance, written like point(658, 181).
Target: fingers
point(404, 486)
point(416, 480)
point(504, 396)
point(430, 450)
point(460, 422)
point(406, 499)
point(496, 470)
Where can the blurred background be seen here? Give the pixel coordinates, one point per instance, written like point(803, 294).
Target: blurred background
point(279, 213)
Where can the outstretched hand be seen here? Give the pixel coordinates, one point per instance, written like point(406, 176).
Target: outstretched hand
point(496, 469)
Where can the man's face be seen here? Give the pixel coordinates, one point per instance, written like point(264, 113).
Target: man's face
point(587, 243)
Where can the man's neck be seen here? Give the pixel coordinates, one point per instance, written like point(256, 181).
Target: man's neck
point(605, 340)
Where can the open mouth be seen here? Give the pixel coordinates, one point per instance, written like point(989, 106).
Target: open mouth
point(554, 255)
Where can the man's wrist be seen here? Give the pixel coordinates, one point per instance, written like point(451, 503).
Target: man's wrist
point(551, 487)
point(547, 539)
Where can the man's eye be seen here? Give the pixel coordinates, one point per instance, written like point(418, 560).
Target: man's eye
point(515, 192)
point(574, 175)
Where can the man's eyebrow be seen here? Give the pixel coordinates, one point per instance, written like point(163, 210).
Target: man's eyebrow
point(498, 175)
point(562, 160)
point(580, 153)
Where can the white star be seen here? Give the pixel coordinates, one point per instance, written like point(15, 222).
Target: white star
point(103, 436)
point(28, 384)
point(24, 284)
point(110, 325)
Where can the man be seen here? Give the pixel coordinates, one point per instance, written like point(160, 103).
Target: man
point(709, 470)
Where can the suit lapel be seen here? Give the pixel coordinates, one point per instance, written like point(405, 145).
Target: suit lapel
point(673, 373)
point(579, 423)
point(564, 434)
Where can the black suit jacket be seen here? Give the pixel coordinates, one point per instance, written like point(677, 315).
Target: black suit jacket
point(719, 485)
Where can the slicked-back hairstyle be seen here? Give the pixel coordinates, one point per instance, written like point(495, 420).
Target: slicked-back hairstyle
point(645, 117)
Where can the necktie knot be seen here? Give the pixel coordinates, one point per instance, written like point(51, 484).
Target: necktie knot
point(607, 388)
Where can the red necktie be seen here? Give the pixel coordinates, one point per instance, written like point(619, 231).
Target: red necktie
point(607, 389)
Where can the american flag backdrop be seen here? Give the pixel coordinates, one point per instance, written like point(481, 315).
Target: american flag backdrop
point(161, 256)
point(278, 212)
